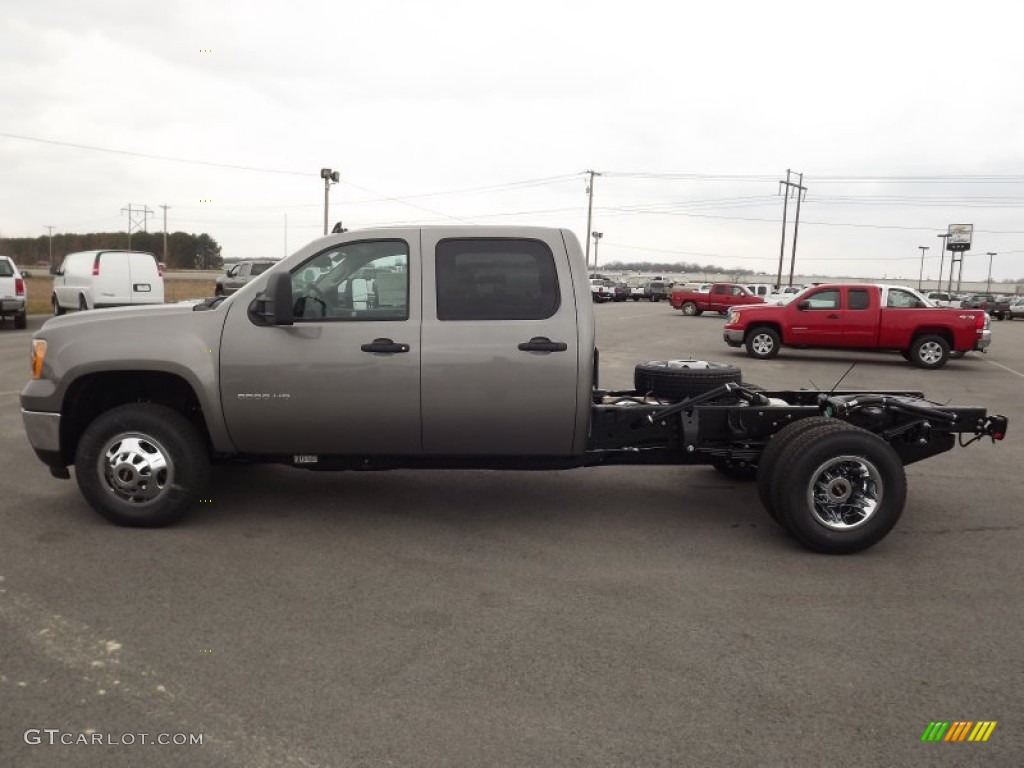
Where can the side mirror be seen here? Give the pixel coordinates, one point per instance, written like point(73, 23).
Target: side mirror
point(274, 306)
point(56, 271)
point(805, 304)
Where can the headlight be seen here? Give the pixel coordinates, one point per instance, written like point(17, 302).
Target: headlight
point(38, 355)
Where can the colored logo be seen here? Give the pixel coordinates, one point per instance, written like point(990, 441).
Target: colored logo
point(958, 730)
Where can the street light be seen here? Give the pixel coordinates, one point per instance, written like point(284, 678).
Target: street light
point(988, 285)
point(328, 176)
point(597, 238)
point(921, 275)
point(942, 257)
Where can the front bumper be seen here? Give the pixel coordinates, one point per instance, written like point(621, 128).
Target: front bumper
point(43, 430)
point(733, 337)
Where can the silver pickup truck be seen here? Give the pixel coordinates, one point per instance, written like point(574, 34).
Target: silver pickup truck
point(444, 347)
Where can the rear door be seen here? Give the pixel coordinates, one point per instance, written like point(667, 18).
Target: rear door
point(147, 285)
point(861, 316)
point(499, 346)
point(345, 378)
point(111, 279)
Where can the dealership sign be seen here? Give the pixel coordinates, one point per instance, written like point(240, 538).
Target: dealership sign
point(960, 237)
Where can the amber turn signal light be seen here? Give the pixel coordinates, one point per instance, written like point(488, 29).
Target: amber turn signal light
point(38, 355)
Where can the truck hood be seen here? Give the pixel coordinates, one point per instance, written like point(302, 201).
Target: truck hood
point(99, 317)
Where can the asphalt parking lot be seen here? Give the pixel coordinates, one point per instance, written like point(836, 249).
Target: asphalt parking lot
point(596, 617)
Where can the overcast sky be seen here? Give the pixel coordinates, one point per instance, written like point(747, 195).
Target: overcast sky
point(904, 117)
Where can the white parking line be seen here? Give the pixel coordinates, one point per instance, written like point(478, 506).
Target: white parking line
point(1015, 373)
point(8, 393)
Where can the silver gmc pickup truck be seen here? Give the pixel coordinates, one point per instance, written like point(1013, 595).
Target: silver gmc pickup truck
point(446, 347)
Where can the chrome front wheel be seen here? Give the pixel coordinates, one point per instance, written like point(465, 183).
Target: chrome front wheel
point(136, 468)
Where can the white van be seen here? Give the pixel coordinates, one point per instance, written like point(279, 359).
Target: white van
point(97, 279)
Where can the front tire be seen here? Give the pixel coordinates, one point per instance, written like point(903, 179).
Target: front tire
point(929, 352)
point(839, 489)
point(141, 465)
point(763, 343)
point(58, 310)
point(83, 305)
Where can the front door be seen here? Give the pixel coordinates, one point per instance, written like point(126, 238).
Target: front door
point(500, 346)
point(820, 322)
point(345, 378)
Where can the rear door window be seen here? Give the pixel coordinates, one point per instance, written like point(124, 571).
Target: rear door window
point(495, 279)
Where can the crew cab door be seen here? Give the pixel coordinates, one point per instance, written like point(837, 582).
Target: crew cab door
point(499, 346)
point(345, 378)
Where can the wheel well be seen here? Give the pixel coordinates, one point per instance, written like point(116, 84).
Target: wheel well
point(92, 394)
point(943, 332)
point(770, 326)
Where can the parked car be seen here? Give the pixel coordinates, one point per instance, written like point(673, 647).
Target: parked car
point(98, 279)
point(620, 291)
point(943, 299)
point(656, 290)
point(13, 294)
point(721, 298)
point(239, 274)
point(1015, 309)
point(860, 316)
point(996, 307)
point(601, 290)
point(761, 289)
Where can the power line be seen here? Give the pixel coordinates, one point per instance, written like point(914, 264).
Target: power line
point(148, 156)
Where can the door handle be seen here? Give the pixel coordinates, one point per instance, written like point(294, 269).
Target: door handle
point(384, 345)
point(543, 344)
point(832, 317)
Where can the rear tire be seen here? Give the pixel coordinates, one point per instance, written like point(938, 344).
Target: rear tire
point(774, 449)
point(839, 489)
point(141, 465)
point(929, 351)
point(83, 305)
point(678, 379)
point(20, 322)
point(690, 309)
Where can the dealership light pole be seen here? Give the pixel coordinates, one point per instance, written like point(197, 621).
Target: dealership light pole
point(942, 258)
point(328, 176)
point(597, 238)
point(988, 285)
point(920, 276)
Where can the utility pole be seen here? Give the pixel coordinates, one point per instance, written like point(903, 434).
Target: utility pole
point(921, 274)
point(50, 227)
point(988, 285)
point(801, 191)
point(133, 220)
point(590, 211)
point(165, 207)
point(597, 238)
point(782, 246)
point(942, 258)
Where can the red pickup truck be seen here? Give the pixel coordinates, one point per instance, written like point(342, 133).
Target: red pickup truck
point(721, 298)
point(859, 316)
